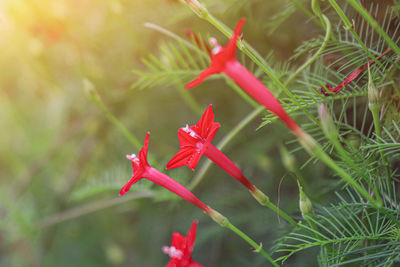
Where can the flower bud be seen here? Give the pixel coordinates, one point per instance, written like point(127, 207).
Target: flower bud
point(327, 123)
point(91, 91)
point(305, 204)
point(373, 92)
point(197, 8)
point(288, 159)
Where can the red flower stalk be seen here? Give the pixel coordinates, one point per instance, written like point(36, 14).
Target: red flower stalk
point(196, 141)
point(141, 169)
point(223, 61)
point(181, 249)
point(351, 77)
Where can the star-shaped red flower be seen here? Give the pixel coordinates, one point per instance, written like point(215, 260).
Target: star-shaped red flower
point(194, 141)
point(142, 169)
point(220, 57)
point(139, 166)
point(180, 251)
point(223, 61)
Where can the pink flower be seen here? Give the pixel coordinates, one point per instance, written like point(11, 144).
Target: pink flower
point(196, 141)
point(351, 77)
point(142, 169)
point(181, 249)
point(223, 61)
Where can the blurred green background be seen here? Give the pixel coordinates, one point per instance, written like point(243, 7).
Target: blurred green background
point(62, 162)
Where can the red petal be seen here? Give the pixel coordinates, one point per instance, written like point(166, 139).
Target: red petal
point(192, 163)
point(203, 75)
point(219, 60)
point(182, 158)
point(195, 264)
point(185, 139)
point(143, 151)
point(203, 126)
point(171, 264)
point(191, 236)
point(231, 46)
point(178, 241)
point(132, 181)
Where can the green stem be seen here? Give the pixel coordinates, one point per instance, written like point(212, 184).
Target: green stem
point(95, 97)
point(315, 149)
point(374, 108)
point(264, 201)
point(224, 222)
point(374, 24)
point(258, 248)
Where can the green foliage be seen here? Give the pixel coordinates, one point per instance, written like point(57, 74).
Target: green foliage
point(62, 158)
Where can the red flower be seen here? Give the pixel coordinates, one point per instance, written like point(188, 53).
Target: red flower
point(181, 249)
point(142, 169)
point(351, 77)
point(223, 60)
point(196, 141)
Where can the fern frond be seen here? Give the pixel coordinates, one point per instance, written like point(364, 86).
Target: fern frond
point(390, 145)
point(109, 181)
point(347, 232)
point(173, 64)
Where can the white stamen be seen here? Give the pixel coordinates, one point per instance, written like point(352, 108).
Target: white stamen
point(132, 157)
point(215, 44)
point(190, 131)
point(173, 252)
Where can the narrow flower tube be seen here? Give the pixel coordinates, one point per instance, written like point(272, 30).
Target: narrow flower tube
point(141, 169)
point(223, 61)
point(219, 158)
point(195, 141)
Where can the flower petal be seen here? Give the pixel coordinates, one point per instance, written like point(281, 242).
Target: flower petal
point(183, 157)
point(136, 177)
point(178, 241)
point(143, 151)
point(231, 46)
point(191, 236)
point(202, 76)
point(211, 133)
point(203, 126)
point(192, 163)
point(185, 139)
